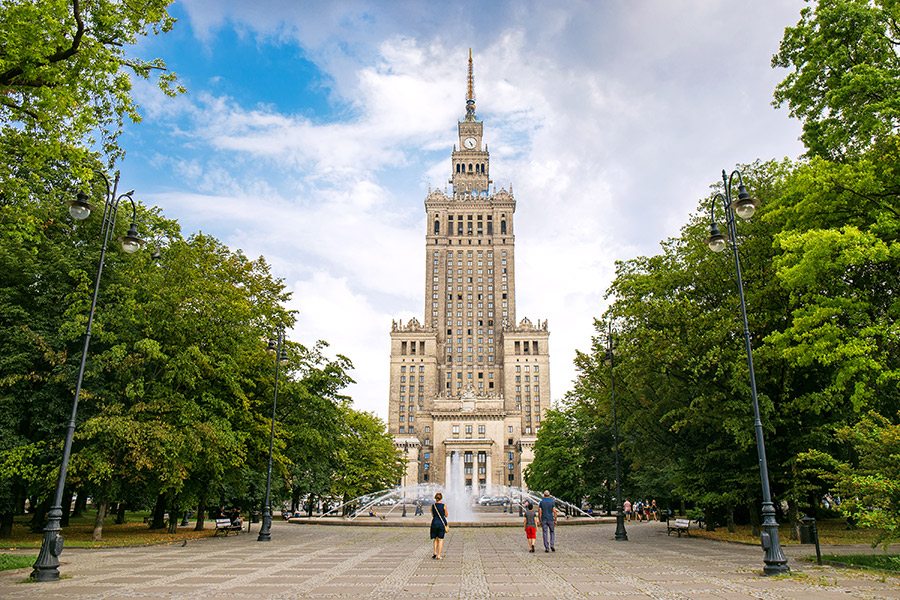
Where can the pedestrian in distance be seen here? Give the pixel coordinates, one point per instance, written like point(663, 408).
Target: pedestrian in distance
point(626, 506)
point(530, 525)
point(548, 522)
point(438, 525)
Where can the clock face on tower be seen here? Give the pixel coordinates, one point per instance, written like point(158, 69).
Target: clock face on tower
point(470, 142)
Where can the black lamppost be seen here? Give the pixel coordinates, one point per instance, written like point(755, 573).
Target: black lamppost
point(744, 207)
point(277, 346)
point(621, 534)
point(46, 567)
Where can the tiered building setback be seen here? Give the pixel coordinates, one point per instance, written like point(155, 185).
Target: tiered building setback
point(469, 381)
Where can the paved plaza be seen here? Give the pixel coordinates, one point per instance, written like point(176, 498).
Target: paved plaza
point(320, 561)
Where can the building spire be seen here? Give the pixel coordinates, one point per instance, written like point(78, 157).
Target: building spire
point(470, 93)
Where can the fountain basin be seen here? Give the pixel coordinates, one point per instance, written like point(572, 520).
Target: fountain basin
point(485, 521)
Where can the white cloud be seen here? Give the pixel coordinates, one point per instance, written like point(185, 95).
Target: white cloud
point(609, 119)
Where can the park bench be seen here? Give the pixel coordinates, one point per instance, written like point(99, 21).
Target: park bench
point(225, 525)
point(679, 526)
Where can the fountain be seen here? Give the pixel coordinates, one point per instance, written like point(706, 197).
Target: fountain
point(493, 505)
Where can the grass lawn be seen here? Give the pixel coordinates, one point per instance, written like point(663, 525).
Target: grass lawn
point(15, 561)
point(888, 562)
point(78, 533)
point(831, 531)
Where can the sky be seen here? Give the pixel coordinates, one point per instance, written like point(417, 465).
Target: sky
point(311, 131)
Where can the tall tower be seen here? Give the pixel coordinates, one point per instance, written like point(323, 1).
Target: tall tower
point(469, 385)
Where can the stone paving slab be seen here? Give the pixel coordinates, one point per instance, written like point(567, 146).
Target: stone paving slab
point(318, 562)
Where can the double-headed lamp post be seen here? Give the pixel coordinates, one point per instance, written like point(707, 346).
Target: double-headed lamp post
point(621, 534)
point(46, 567)
point(744, 207)
point(276, 345)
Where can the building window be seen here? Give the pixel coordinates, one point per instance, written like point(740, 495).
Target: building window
point(509, 429)
point(402, 429)
point(456, 429)
point(468, 429)
point(481, 429)
point(428, 429)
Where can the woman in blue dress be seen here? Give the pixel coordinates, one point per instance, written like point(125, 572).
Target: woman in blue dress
point(438, 525)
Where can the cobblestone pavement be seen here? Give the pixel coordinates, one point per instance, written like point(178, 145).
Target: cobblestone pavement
point(316, 561)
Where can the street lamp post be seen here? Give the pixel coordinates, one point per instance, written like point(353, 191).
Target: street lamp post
point(46, 567)
point(621, 534)
point(276, 345)
point(744, 207)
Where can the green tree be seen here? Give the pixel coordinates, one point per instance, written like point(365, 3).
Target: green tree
point(845, 82)
point(868, 481)
point(65, 70)
point(559, 456)
point(367, 460)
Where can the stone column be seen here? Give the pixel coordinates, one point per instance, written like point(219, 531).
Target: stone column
point(487, 479)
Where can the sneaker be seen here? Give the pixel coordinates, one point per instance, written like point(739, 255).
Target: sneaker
point(545, 550)
point(532, 550)
point(552, 548)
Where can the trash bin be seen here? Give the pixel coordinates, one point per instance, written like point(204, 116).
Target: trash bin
point(806, 533)
point(809, 534)
point(254, 516)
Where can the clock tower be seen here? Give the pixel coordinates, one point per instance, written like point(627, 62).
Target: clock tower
point(469, 383)
point(471, 162)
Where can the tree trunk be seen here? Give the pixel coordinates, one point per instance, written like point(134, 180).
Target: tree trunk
point(120, 514)
point(201, 513)
point(295, 500)
point(709, 520)
point(39, 516)
point(80, 504)
point(174, 515)
point(794, 518)
point(159, 512)
point(754, 518)
point(66, 505)
point(97, 534)
point(729, 519)
point(6, 523)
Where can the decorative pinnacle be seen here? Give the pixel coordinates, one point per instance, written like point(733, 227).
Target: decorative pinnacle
point(470, 93)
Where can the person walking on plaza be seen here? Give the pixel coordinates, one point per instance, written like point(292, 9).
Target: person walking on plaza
point(530, 525)
point(438, 525)
point(548, 521)
point(627, 508)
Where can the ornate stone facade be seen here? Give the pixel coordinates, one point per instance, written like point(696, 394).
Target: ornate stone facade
point(469, 379)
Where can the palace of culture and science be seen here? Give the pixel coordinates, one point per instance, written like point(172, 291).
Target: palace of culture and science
point(469, 381)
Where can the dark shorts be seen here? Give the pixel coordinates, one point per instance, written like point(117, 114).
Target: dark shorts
point(437, 532)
